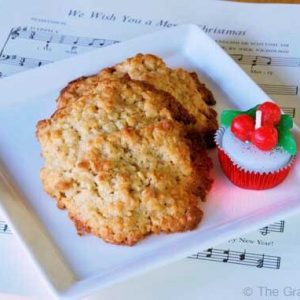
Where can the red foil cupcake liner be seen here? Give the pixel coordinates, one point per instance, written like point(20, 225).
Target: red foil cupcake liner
point(247, 179)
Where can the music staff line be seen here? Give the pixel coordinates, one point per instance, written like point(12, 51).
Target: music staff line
point(29, 62)
point(240, 258)
point(21, 61)
point(258, 60)
point(50, 37)
point(57, 38)
point(280, 89)
point(291, 111)
point(275, 227)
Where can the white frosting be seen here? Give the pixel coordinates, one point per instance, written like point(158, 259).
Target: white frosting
point(250, 157)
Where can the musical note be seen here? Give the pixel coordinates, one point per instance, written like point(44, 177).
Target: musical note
point(254, 61)
point(226, 252)
point(27, 62)
point(97, 42)
point(32, 34)
point(73, 49)
point(243, 255)
point(261, 61)
point(264, 230)
point(48, 42)
point(209, 254)
point(239, 57)
point(240, 258)
point(4, 228)
point(43, 40)
point(258, 60)
point(9, 59)
point(76, 41)
point(260, 262)
point(92, 42)
point(275, 227)
point(58, 38)
point(264, 60)
point(2, 75)
point(4, 57)
point(22, 61)
point(15, 32)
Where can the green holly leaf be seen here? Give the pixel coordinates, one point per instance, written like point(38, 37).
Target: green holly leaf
point(227, 116)
point(286, 122)
point(252, 111)
point(287, 141)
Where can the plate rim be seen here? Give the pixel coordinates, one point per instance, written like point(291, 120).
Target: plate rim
point(89, 285)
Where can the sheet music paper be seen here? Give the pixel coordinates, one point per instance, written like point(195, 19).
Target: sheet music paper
point(262, 40)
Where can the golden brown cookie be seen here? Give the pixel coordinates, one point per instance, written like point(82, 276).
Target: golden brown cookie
point(120, 163)
point(182, 85)
point(77, 88)
point(185, 87)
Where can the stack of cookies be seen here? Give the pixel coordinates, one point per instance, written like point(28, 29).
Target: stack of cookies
point(125, 151)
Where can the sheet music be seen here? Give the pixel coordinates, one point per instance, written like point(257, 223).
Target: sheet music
point(274, 63)
point(275, 227)
point(242, 268)
point(264, 45)
point(239, 257)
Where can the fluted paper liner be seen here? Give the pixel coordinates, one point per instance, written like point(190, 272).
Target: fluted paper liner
point(249, 179)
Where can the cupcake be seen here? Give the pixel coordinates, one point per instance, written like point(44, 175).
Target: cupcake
point(256, 148)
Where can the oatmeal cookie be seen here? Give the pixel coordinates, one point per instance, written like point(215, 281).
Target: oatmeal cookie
point(184, 86)
point(118, 159)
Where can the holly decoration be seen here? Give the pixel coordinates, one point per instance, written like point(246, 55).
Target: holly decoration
point(271, 114)
point(265, 138)
point(242, 127)
point(228, 115)
point(262, 125)
point(287, 141)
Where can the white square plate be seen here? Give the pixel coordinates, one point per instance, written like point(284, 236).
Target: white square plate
point(74, 266)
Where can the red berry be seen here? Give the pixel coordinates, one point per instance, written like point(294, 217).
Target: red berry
point(242, 127)
point(265, 138)
point(271, 113)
